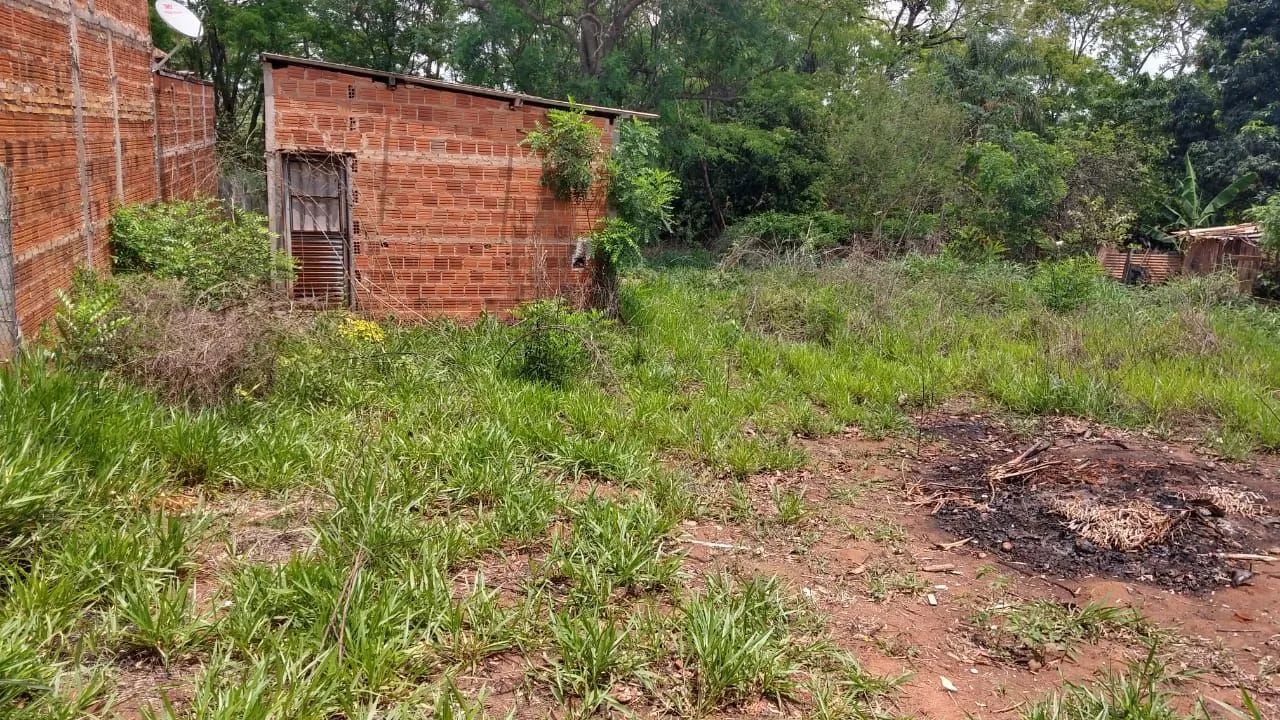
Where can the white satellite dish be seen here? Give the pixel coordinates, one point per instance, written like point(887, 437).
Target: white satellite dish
point(179, 17)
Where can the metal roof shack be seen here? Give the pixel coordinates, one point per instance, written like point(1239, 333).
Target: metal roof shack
point(1225, 248)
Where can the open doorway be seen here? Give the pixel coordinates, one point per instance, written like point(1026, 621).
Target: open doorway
point(319, 239)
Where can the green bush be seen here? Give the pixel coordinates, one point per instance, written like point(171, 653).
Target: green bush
point(552, 346)
point(88, 321)
point(222, 256)
point(615, 241)
point(774, 235)
point(1013, 186)
point(1267, 215)
point(972, 245)
point(1065, 285)
point(640, 191)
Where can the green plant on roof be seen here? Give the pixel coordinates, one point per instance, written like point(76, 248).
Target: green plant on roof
point(569, 144)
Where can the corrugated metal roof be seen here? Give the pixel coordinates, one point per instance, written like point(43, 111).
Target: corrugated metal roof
point(598, 110)
point(1249, 232)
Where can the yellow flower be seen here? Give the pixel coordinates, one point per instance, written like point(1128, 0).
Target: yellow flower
point(358, 330)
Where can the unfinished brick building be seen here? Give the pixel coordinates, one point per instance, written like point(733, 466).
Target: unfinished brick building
point(413, 197)
point(85, 125)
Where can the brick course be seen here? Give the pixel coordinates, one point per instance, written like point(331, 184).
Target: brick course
point(448, 211)
point(78, 135)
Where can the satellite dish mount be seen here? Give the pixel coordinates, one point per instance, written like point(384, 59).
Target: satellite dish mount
point(182, 20)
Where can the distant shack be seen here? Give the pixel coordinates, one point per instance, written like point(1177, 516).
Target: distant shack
point(1227, 248)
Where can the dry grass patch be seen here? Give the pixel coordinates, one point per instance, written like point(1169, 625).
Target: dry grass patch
point(1132, 525)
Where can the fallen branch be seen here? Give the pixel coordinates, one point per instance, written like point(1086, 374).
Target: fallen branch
point(1036, 448)
point(717, 545)
point(1024, 471)
point(1248, 556)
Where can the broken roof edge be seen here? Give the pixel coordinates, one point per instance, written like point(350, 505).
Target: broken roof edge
point(598, 110)
point(184, 76)
point(1249, 232)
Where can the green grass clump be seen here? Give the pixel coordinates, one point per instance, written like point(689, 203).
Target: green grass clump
point(615, 546)
point(1145, 690)
point(736, 638)
point(1041, 625)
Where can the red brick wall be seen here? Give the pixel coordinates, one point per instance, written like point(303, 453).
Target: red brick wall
point(77, 138)
point(450, 216)
point(185, 128)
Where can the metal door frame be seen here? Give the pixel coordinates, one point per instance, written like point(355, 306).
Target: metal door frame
point(343, 161)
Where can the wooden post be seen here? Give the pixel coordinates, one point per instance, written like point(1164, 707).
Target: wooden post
point(10, 334)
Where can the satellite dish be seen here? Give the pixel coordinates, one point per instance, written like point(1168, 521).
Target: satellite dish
point(179, 17)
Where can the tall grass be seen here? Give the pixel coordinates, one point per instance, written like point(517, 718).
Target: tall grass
point(434, 457)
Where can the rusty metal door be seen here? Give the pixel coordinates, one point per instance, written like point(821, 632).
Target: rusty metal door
point(316, 211)
point(9, 333)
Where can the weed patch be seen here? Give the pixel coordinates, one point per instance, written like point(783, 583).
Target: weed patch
point(1043, 630)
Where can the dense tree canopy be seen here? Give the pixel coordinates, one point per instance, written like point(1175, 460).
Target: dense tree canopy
point(1014, 125)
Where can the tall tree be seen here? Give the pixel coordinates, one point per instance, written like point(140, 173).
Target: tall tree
point(594, 28)
point(408, 36)
point(1240, 59)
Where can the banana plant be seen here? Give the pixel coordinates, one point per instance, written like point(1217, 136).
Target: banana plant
point(1186, 207)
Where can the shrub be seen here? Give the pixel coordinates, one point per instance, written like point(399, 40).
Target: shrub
point(614, 241)
point(770, 236)
point(972, 245)
point(1267, 216)
point(1065, 285)
point(221, 256)
point(1014, 186)
point(87, 320)
point(568, 144)
point(552, 346)
point(150, 331)
point(640, 191)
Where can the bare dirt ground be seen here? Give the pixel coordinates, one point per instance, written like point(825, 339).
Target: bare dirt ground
point(904, 568)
